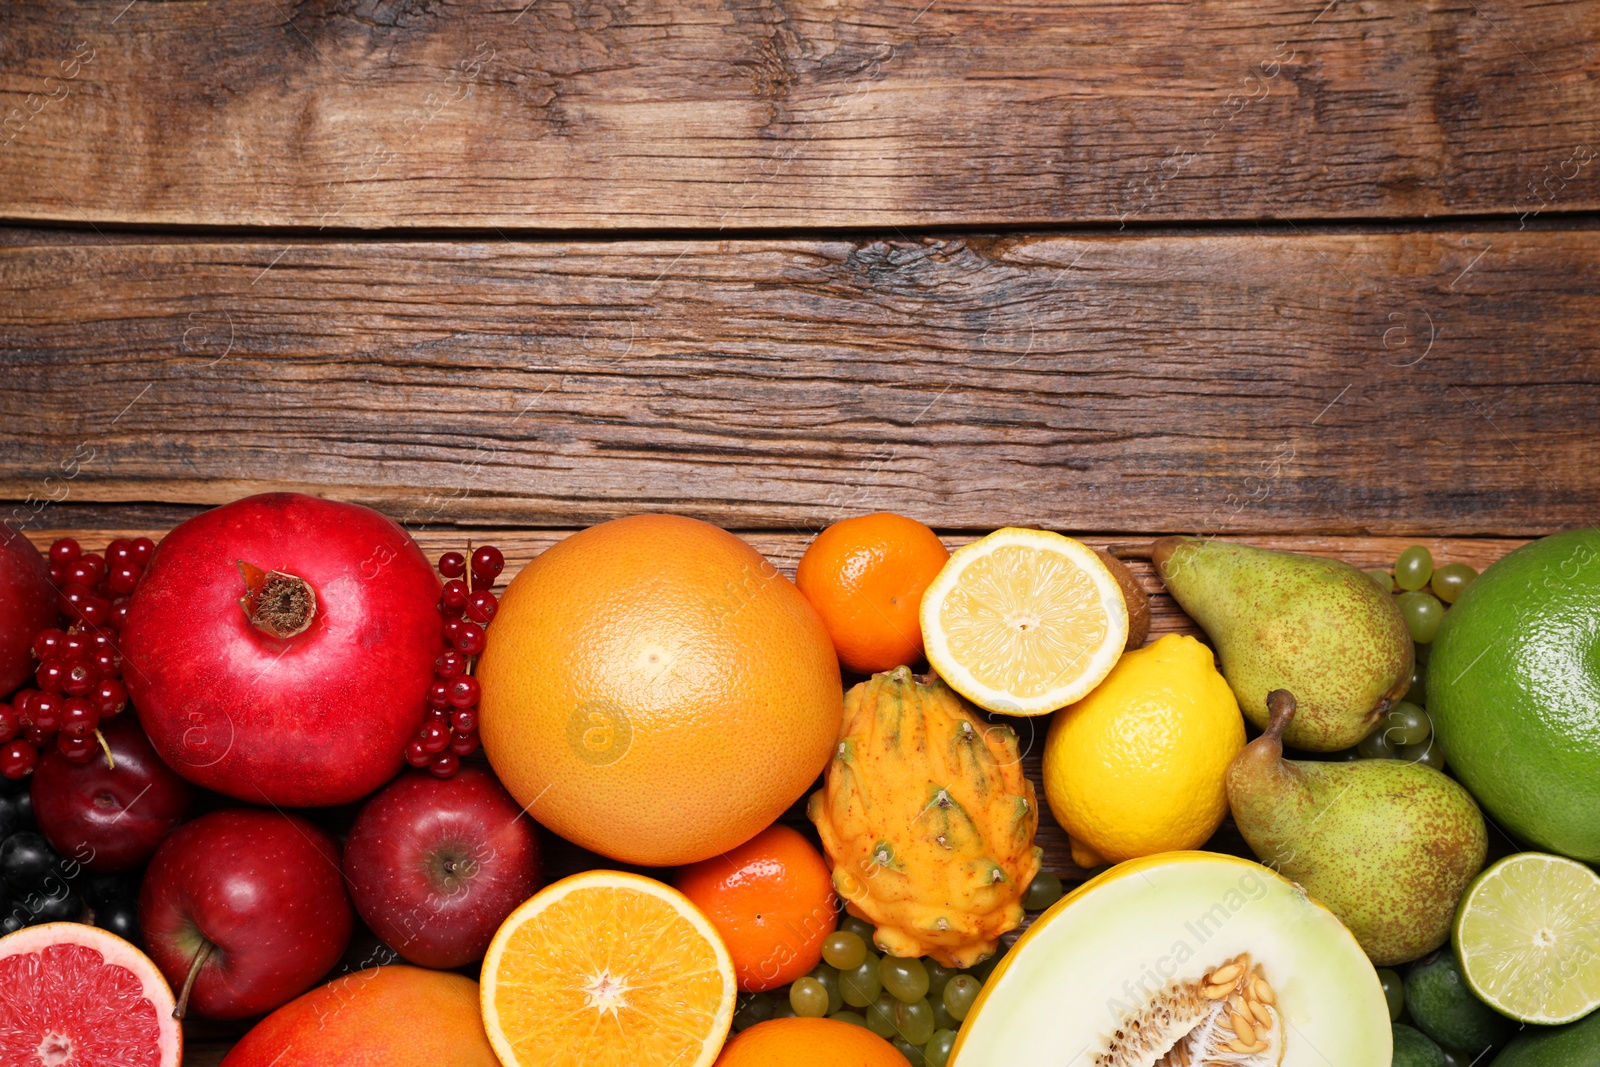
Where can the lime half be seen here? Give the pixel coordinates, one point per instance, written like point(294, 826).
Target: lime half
point(1528, 934)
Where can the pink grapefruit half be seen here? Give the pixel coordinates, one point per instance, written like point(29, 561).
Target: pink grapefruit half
point(76, 996)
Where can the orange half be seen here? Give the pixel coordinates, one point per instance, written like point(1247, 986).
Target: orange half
point(606, 968)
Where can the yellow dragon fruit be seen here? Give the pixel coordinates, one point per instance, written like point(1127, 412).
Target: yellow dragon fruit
point(928, 820)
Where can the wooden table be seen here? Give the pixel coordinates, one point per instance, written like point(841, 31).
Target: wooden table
point(1316, 274)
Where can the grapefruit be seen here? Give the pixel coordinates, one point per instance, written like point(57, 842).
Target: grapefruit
point(77, 996)
point(655, 691)
point(1514, 692)
point(394, 1016)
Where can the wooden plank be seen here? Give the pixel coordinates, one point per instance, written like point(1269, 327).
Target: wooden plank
point(1387, 383)
point(861, 113)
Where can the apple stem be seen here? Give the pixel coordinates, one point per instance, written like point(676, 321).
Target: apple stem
point(200, 958)
point(111, 764)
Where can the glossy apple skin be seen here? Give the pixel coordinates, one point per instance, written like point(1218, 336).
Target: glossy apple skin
point(27, 605)
point(318, 719)
point(265, 889)
point(109, 819)
point(434, 866)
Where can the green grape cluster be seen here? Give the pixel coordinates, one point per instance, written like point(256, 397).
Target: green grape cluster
point(1423, 594)
point(915, 1004)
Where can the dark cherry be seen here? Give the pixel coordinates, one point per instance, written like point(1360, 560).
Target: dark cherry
point(60, 906)
point(120, 918)
point(27, 862)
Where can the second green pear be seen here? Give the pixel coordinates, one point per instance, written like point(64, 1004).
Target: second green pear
point(1317, 627)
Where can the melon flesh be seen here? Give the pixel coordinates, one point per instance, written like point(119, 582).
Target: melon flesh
point(1122, 973)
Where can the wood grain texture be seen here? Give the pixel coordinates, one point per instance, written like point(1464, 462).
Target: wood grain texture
point(711, 115)
point(1390, 383)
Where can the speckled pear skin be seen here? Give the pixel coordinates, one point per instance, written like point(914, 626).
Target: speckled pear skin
point(1386, 845)
point(1317, 627)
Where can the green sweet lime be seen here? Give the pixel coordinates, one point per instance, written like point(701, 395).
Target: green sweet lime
point(1514, 692)
point(1554, 1046)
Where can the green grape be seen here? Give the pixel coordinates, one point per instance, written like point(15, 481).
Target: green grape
point(1451, 580)
point(860, 927)
point(853, 1018)
point(880, 1016)
point(936, 1053)
point(1405, 724)
point(1414, 567)
point(1043, 891)
point(907, 979)
point(1428, 753)
point(1376, 745)
point(1394, 991)
point(861, 985)
point(913, 1020)
point(754, 1008)
point(938, 975)
point(912, 1053)
point(809, 998)
point(942, 1019)
point(1418, 693)
point(1423, 614)
point(960, 995)
point(829, 977)
point(983, 969)
point(1384, 579)
point(844, 950)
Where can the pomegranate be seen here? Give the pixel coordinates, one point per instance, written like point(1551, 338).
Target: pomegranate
point(27, 605)
point(279, 649)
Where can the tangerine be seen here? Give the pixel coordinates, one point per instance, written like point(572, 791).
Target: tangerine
point(807, 1043)
point(772, 901)
point(866, 576)
point(655, 691)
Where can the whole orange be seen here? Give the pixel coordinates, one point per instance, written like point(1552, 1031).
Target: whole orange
point(866, 576)
point(654, 690)
point(772, 901)
point(395, 1016)
point(809, 1043)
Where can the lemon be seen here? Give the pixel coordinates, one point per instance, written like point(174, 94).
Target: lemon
point(1024, 621)
point(1139, 765)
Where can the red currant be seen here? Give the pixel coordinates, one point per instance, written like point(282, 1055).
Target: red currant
point(469, 639)
point(119, 612)
point(123, 577)
point(17, 758)
point(482, 605)
point(76, 646)
point(416, 755)
point(79, 718)
point(143, 549)
point(51, 675)
point(487, 563)
point(107, 664)
point(120, 551)
point(56, 572)
point(445, 765)
point(453, 600)
point(452, 564)
point(10, 722)
point(81, 677)
point(110, 698)
point(464, 744)
point(96, 564)
point(464, 721)
point(48, 643)
point(450, 664)
point(439, 694)
point(434, 736)
point(452, 627)
point(45, 715)
point(82, 573)
point(96, 610)
point(438, 715)
point(464, 692)
point(77, 749)
point(36, 737)
point(65, 550)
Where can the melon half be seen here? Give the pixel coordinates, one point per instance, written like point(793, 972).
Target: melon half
point(1180, 960)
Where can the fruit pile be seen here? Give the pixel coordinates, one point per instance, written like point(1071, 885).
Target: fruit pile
point(232, 762)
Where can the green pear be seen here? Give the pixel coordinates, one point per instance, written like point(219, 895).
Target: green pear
point(1279, 620)
point(1386, 845)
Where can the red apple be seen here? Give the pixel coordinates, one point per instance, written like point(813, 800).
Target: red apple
point(435, 865)
point(27, 605)
point(109, 818)
point(279, 649)
point(253, 901)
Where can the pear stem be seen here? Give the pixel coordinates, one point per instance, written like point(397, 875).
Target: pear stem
point(1280, 708)
point(200, 958)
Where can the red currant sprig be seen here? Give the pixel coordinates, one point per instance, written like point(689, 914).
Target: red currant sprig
point(450, 728)
point(78, 683)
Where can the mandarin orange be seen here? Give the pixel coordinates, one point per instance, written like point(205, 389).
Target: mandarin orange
point(865, 576)
point(654, 690)
point(772, 901)
point(809, 1043)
